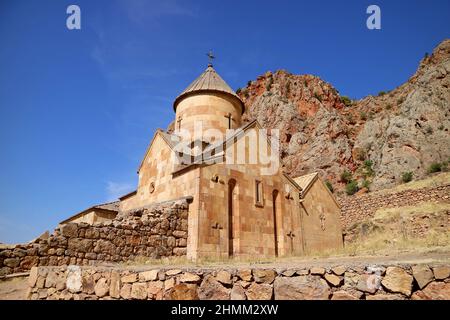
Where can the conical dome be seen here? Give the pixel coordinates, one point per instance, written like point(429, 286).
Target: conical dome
point(208, 81)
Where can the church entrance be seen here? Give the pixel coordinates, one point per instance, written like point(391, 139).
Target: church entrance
point(275, 208)
point(231, 191)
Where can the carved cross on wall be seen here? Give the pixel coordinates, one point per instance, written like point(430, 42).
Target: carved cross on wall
point(179, 122)
point(217, 226)
point(291, 235)
point(322, 221)
point(230, 118)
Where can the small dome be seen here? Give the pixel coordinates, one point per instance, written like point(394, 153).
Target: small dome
point(208, 81)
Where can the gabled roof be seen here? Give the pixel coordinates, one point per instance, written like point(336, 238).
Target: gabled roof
point(167, 138)
point(208, 81)
point(306, 181)
point(129, 194)
point(112, 207)
point(293, 182)
point(221, 145)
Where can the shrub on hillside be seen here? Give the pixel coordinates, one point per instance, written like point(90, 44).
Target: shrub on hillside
point(407, 176)
point(366, 184)
point(346, 176)
point(346, 100)
point(351, 188)
point(435, 167)
point(368, 170)
point(445, 166)
point(329, 186)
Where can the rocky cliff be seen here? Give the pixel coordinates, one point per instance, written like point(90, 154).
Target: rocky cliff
point(404, 130)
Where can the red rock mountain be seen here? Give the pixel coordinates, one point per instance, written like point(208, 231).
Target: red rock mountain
point(404, 130)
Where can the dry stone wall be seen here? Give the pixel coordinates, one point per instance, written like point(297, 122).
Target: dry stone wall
point(154, 232)
point(376, 282)
point(361, 207)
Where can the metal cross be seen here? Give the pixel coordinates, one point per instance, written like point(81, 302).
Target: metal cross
point(210, 58)
point(291, 236)
point(230, 118)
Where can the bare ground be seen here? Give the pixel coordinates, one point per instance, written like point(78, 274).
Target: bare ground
point(433, 256)
point(13, 288)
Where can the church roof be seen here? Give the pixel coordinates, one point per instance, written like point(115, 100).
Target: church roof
point(208, 81)
point(306, 181)
point(109, 206)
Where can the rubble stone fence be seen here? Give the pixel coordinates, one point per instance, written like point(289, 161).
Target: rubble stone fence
point(340, 282)
point(358, 208)
point(154, 232)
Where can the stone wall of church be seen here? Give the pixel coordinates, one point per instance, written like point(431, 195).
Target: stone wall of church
point(209, 110)
point(157, 231)
point(156, 182)
point(253, 225)
point(321, 220)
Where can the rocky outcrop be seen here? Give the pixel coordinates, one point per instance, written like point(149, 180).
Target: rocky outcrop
point(341, 282)
point(159, 231)
point(403, 130)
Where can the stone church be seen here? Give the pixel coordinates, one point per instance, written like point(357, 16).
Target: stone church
point(234, 210)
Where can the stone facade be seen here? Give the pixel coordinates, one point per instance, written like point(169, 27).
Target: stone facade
point(225, 217)
point(199, 108)
point(154, 232)
point(340, 282)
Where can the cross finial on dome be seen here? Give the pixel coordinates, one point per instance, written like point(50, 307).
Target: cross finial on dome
point(210, 58)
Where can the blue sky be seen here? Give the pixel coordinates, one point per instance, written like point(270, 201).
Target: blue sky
point(79, 107)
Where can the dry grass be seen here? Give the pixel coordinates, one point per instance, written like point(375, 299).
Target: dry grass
point(385, 214)
point(390, 230)
point(384, 244)
point(388, 243)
